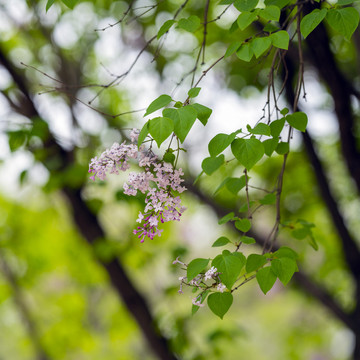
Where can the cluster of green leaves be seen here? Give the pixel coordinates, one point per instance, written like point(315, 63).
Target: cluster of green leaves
point(190, 24)
point(247, 147)
point(342, 20)
point(272, 34)
point(235, 269)
point(178, 119)
point(249, 151)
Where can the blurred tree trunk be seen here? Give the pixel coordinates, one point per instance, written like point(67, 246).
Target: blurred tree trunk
point(91, 230)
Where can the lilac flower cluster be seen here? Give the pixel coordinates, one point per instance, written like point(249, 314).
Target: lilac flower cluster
point(112, 160)
point(158, 181)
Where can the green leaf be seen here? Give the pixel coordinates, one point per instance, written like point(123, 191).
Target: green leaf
point(285, 251)
point(233, 47)
point(49, 4)
point(243, 225)
point(226, 2)
point(245, 19)
point(195, 267)
point(219, 143)
point(222, 185)
point(282, 148)
point(241, 256)
point(247, 151)
point(229, 266)
point(23, 176)
point(226, 218)
point(158, 103)
point(234, 185)
point(311, 240)
point(203, 112)
point(276, 127)
point(245, 52)
point(266, 279)
point(345, 2)
point(301, 233)
point(160, 129)
point(284, 111)
point(280, 39)
point(268, 199)
point(270, 28)
point(70, 3)
point(143, 133)
point(279, 3)
point(260, 129)
point(271, 12)
point(270, 145)
point(247, 240)
point(165, 27)
point(260, 45)
point(191, 24)
point(211, 164)
point(255, 261)
point(16, 139)
point(245, 5)
point(234, 26)
point(284, 268)
point(221, 241)
point(183, 119)
point(220, 303)
point(169, 157)
point(194, 92)
point(40, 129)
point(298, 120)
point(344, 21)
point(311, 21)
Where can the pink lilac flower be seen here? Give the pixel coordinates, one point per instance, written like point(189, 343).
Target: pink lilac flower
point(221, 287)
point(158, 181)
point(134, 135)
point(196, 280)
point(112, 160)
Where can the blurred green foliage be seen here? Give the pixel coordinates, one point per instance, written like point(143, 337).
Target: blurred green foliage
point(72, 304)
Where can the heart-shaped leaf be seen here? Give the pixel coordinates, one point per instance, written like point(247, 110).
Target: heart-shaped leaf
point(247, 151)
point(220, 303)
point(211, 164)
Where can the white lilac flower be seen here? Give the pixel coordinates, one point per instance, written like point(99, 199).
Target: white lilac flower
point(197, 302)
point(221, 287)
point(211, 273)
point(196, 280)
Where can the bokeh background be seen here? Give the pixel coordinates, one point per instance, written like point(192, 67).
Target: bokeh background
point(75, 283)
